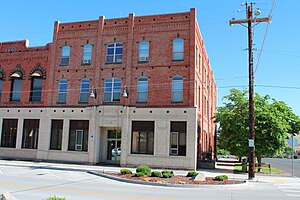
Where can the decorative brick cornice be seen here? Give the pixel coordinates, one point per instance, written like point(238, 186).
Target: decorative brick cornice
point(39, 68)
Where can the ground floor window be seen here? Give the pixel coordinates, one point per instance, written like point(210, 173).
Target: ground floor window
point(56, 134)
point(178, 139)
point(9, 133)
point(78, 135)
point(30, 133)
point(142, 137)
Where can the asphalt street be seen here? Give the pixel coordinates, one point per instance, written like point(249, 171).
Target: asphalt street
point(285, 165)
point(28, 183)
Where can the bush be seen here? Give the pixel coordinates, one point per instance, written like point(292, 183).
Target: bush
point(167, 171)
point(167, 175)
point(156, 174)
point(138, 174)
point(221, 178)
point(126, 171)
point(145, 169)
point(191, 173)
point(56, 198)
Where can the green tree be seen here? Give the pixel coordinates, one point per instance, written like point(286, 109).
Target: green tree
point(273, 121)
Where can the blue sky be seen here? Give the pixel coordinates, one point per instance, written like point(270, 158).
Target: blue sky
point(280, 59)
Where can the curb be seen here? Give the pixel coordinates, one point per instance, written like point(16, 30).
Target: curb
point(245, 183)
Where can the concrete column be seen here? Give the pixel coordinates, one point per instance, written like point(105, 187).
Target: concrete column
point(1, 122)
point(161, 138)
point(19, 133)
point(126, 136)
point(65, 136)
point(92, 136)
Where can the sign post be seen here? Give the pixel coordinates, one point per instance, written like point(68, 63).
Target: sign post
point(293, 142)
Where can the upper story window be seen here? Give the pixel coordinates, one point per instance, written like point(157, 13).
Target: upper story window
point(178, 49)
point(112, 90)
point(142, 90)
point(114, 53)
point(143, 51)
point(62, 91)
point(84, 90)
point(16, 86)
point(177, 89)
point(65, 55)
point(36, 87)
point(87, 54)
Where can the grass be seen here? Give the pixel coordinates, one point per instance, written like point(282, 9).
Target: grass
point(264, 169)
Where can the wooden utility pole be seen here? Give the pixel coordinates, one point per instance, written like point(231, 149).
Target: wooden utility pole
point(249, 20)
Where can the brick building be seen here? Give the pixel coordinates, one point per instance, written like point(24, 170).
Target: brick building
point(128, 91)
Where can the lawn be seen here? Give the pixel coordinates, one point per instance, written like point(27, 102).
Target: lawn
point(264, 169)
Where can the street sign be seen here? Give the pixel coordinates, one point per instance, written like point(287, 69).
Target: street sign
point(293, 142)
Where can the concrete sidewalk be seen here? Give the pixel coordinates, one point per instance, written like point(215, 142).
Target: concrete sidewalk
point(220, 170)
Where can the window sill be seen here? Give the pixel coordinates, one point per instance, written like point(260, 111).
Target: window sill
point(141, 102)
point(58, 102)
point(63, 65)
point(83, 64)
point(83, 102)
point(177, 102)
point(74, 151)
point(177, 60)
point(113, 63)
point(147, 61)
point(111, 103)
point(141, 154)
point(54, 149)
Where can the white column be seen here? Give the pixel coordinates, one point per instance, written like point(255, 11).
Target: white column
point(65, 136)
point(19, 133)
point(1, 122)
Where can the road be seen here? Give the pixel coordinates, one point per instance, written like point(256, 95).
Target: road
point(284, 165)
point(35, 183)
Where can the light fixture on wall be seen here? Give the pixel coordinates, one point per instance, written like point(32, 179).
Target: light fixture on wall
point(93, 92)
point(125, 92)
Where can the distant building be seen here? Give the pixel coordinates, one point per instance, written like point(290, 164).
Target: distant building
point(126, 91)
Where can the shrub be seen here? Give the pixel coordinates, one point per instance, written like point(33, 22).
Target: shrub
point(191, 173)
point(126, 171)
point(221, 178)
point(156, 174)
point(138, 174)
point(167, 175)
point(167, 171)
point(145, 169)
point(56, 198)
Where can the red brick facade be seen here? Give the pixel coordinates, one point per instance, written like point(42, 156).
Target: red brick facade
point(199, 86)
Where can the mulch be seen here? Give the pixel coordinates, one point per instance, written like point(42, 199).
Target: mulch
point(176, 180)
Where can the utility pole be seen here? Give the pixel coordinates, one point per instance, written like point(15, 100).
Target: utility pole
point(249, 21)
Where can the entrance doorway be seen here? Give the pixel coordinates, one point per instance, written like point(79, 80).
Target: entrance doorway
point(113, 146)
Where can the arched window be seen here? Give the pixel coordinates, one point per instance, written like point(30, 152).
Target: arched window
point(84, 91)
point(87, 54)
point(143, 51)
point(178, 49)
point(114, 53)
point(142, 90)
point(16, 86)
point(177, 89)
point(36, 87)
point(65, 55)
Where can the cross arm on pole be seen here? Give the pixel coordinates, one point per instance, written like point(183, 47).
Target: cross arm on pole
point(254, 20)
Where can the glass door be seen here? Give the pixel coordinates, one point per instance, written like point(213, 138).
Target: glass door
point(113, 146)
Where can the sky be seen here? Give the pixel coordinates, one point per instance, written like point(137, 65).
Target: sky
point(277, 72)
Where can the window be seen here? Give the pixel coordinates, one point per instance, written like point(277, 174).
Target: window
point(30, 133)
point(36, 87)
point(142, 90)
point(178, 49)
point(142, 137)
point(62, 91)
point(78, 135)
point(56, 134)
point(177, 89)
point(84, 91)
point(65, 55)
point(112, 90)
point(114, 53)
point(9, 133)
point(178, 139)
point(87, 54)
point(16, 87)
point(143, 51)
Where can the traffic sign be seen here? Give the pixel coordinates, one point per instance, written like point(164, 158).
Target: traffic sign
point(293, 142)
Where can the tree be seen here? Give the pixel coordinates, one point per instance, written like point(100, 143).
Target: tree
point(273, 121)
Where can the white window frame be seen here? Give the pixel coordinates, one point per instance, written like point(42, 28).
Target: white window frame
point(78, 144)
point(142, 80)
point(87, 54)
point(64, 92)
point(113, 80)
point(144, 49)
point(174, 90)
point(176, 43)
point(82, 83)
point(114, 47)
point(174, 151)
point(65, 54)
